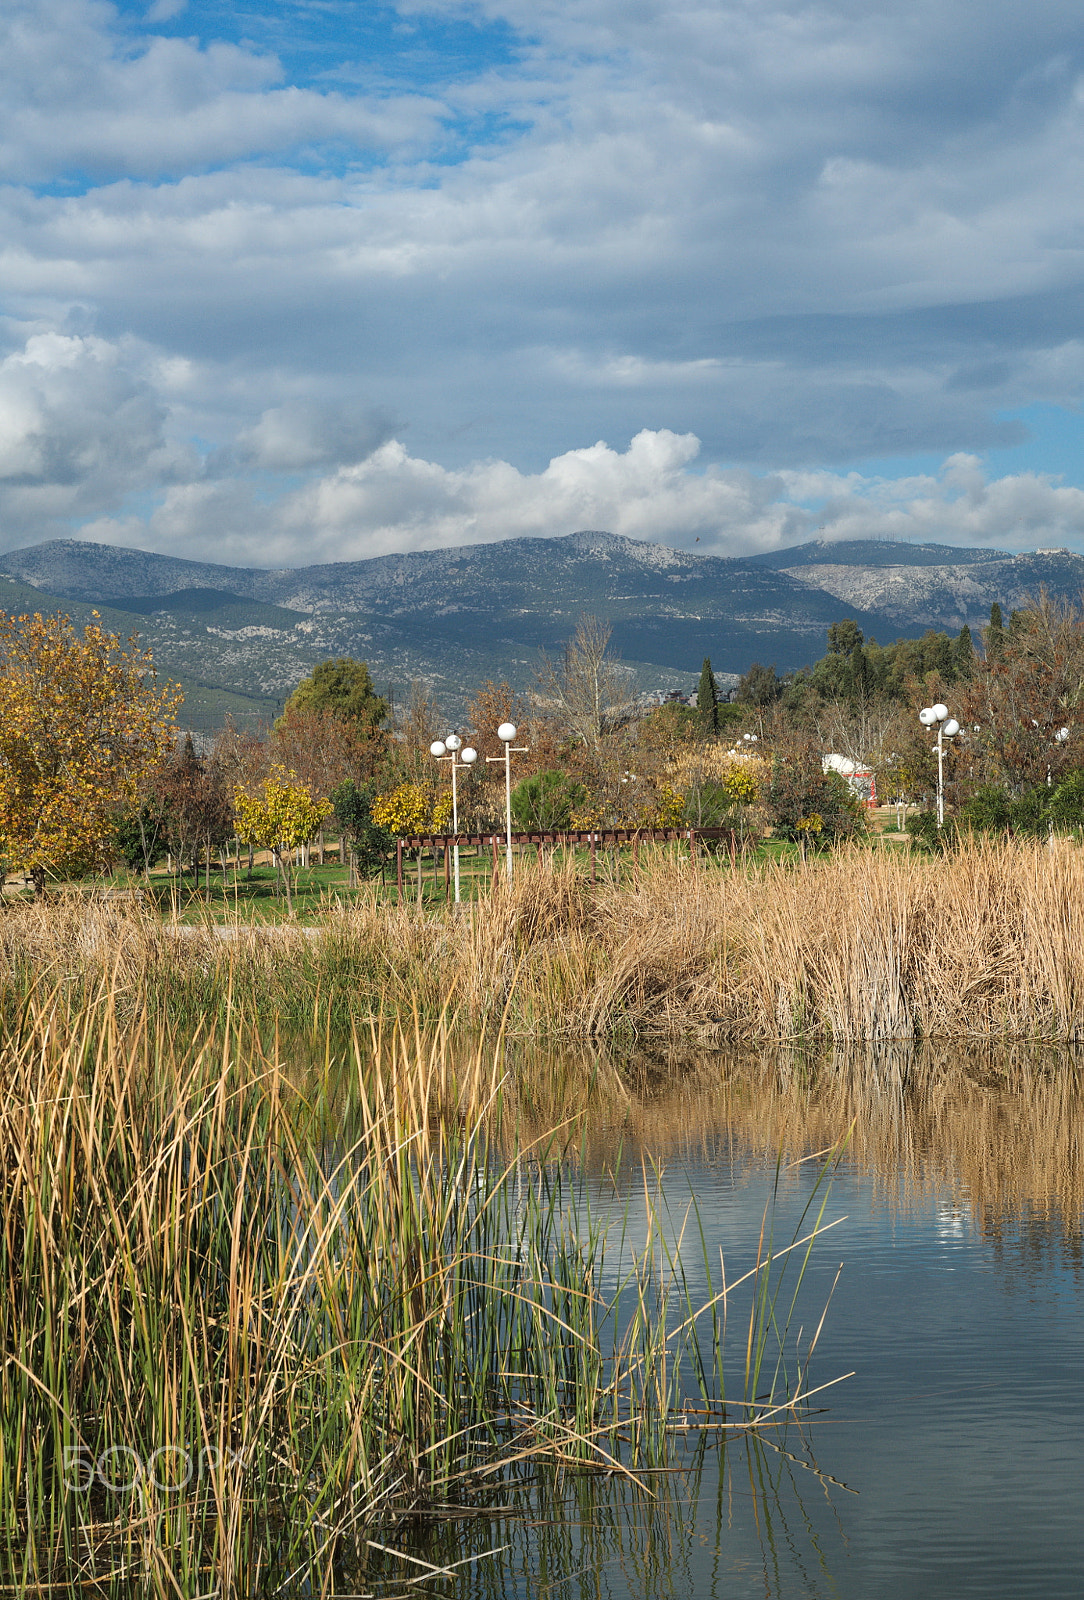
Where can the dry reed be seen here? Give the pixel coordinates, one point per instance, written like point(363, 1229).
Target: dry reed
point(987, 943)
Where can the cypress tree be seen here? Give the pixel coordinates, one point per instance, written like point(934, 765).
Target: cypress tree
point(858, 675)
point(707, 701)
point(995, 633)
point(963, 654)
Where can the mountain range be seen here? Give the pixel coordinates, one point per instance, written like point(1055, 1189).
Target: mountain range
point(240, 638)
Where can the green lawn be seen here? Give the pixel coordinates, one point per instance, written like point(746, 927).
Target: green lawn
point(258, 897)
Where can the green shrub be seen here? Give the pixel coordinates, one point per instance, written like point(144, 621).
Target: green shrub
point(1067, 801)
point(987, 811)
point(370, 844)
point(545, 803)
point(925, 834)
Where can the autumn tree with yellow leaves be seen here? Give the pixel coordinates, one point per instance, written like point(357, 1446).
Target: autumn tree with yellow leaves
point(280, 814)
point(82, 724)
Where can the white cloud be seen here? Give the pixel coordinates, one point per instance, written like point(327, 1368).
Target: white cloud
point(79, 430)
point(795, 234)
point(961, 505)
point(79, 97)
point(653, 490)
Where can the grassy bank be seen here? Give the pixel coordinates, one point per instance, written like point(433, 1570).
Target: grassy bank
point(248, 1329)
point(987, 942)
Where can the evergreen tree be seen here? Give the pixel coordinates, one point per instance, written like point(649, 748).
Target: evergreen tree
point(845, 637)
point(707, 701)
point(963, 654)
point(370, 845)
point(859, 686)
point(995, 633)
point(760, 686)
point(345, 689)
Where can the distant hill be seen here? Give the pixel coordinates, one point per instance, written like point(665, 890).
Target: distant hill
point(940, 586)
point(874, 553)
point(457, 617)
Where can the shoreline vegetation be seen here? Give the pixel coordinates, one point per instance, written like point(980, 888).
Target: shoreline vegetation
point(983, 942)
point(262, 1324)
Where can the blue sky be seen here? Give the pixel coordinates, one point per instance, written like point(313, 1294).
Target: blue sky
point(320, 280)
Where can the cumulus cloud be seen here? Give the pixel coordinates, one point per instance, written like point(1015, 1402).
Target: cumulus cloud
point(304, 433)
point(794, 234)
point(81, 98)
point(654, 490)
point(79, 430)
point(961, 505)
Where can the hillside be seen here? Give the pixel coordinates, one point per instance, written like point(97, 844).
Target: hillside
point(457, 617)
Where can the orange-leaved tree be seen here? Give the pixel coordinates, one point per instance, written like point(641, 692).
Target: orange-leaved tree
point(82, 724)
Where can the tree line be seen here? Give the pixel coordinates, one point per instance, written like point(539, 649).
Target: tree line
point(93, 771)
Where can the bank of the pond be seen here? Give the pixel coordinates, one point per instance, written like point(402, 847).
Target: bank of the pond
point(246, 1329)
point(986, 942)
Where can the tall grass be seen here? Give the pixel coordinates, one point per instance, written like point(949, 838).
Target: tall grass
point(987, 942)
point(247, 1325)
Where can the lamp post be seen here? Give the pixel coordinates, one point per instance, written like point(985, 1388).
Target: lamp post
point(447, 749)
point(947, 727)
point(506, 733)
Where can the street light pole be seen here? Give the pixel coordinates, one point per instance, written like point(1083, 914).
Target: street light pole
point(447, 749)
point(947, 728)
point(506, 733)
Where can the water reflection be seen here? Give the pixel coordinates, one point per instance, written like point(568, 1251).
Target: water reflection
point(951, 1464)
point(998, 1133)
point(752, 1515)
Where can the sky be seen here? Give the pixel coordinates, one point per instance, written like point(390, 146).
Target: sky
point(314, 280)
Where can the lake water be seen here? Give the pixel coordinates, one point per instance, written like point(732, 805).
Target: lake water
point(952, 1463)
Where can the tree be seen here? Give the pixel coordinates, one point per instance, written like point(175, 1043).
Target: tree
point(82, 724)
point(845, 637)
point(667, 730)
point(1024, 691)
point(1067, 801)
point(280, 815)
point(195, 803)
point(343, 687)
point(707, 702)
point(546, 802)
point(963, 654)
point(995, 633)
point(587, 690)
point(808, 804)
point(141, 836)
point(370, 845)
point(760, 686)
point(412, 809)
point(325, 750)
point(407, 757)
point(243, 758)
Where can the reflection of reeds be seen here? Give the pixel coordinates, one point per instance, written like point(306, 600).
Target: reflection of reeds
point(324, 1314)
point(1000, 1127)
point(719, 1506)
point(987, 944)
